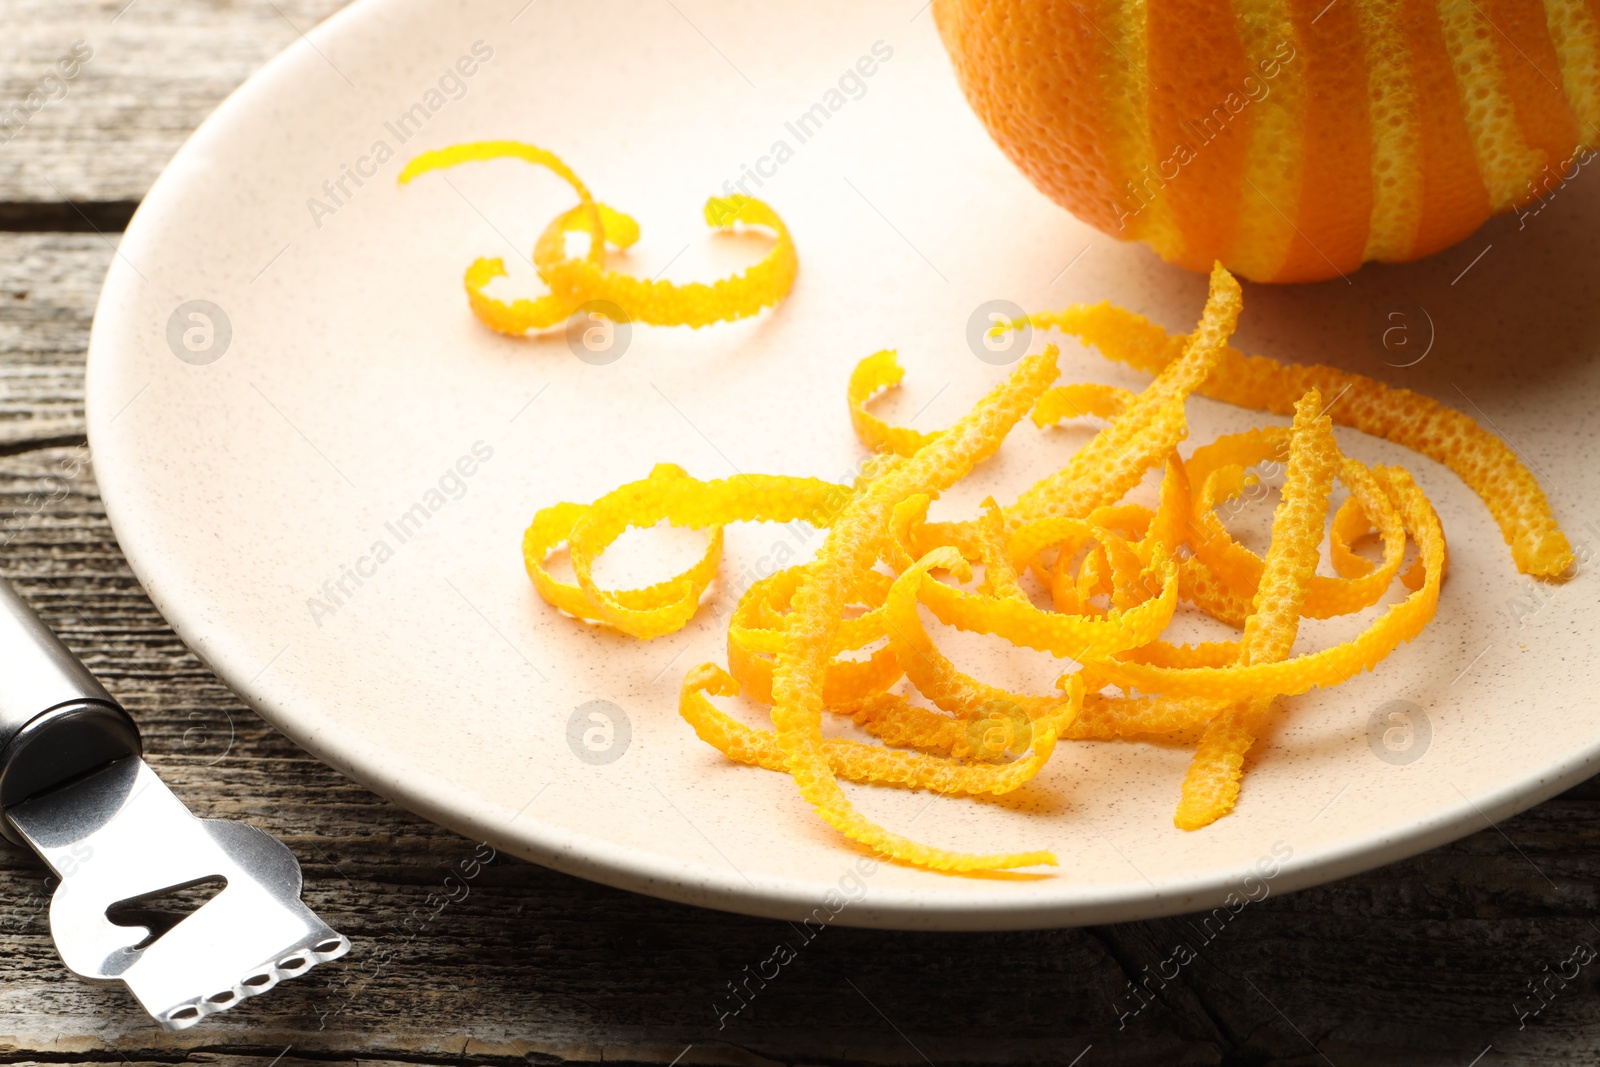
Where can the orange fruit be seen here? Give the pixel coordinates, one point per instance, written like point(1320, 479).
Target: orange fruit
point(1293, 140)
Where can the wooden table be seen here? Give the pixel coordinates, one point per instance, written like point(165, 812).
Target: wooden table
point(1422, 962)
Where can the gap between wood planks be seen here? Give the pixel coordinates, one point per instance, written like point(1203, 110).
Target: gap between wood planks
point(83, 216)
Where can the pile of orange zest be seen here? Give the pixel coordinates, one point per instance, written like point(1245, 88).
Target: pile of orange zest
point(838, 634)
point(1482, 460)
point(577, 281)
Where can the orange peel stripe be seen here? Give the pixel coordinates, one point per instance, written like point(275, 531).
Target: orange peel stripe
point(1333, 208)
point(668, 493)
point(574, 281)
point(1274, 164)
point(1218, 467)
point(853, 760)
point(666, 303)
point(876, 374)
point(1455, 200)
point(1203, 587)
point(1533, 82)
point(1211, 785)
point(848, 680)
point(1575, 34)
point(1062, 635)
point(517, 317)
point(929, 669)
point(1079, 401)
point(1108, 718)
point(1199, 65)
point(1114, 461)
point(1397, 624)
point(1505, 159)
point(894, 720)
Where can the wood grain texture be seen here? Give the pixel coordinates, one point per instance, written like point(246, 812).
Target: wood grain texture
point(1418, 963)
point(156, 68)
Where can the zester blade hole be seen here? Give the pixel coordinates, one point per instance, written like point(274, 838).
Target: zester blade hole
point(221, 998)
point(184, 1013)
point(257, 979)
point(327, 946)
point(161, 910)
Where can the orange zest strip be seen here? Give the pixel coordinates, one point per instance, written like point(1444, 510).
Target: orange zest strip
point(1211, 785)
point(1219, 467)
point(875, 374)
point(577, 281)
point(1397, 624)
point(671, 495)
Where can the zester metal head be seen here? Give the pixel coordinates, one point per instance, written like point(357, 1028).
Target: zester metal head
point(119, 836)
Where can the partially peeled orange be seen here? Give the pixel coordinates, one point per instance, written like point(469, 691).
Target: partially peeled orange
point(1293, 140)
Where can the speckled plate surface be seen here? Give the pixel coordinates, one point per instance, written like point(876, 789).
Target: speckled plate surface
point(323, 478)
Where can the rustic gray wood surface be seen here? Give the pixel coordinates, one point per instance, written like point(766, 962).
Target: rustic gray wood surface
point(1424, 962)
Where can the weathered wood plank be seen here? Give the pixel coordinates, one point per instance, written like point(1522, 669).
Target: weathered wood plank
point(146, 73)
point(49, 283)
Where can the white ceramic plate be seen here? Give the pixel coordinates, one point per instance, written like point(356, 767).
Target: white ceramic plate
point(353, 388)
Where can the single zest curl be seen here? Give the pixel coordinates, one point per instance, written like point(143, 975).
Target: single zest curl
point(670, 495)
point(578, 281)
point(878, 373)
point(517, 317)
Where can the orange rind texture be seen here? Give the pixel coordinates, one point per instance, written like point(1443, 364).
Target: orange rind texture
point(845, 633)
